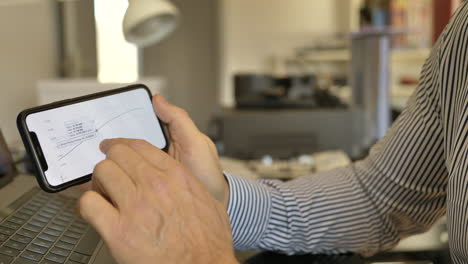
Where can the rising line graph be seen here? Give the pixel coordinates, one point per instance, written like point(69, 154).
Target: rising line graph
point(98, 129)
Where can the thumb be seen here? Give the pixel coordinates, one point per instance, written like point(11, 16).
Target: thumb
point(178, 121)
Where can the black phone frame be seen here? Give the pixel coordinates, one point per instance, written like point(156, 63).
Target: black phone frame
point(33, 153)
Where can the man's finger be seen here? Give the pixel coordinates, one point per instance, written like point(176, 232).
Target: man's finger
point(114, 182)
point(131, 162)
point(99, 213)
point(179, 122)
point(150, 153)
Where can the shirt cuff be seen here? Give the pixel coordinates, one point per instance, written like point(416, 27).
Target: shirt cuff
point(249, 210)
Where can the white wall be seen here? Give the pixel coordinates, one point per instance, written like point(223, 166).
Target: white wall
point(27, 54)
point(79, 39)
point(252, 31)
point(188, 59)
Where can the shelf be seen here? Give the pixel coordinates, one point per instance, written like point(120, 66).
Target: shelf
point(405, 55)
point(328, 56)
point(399, 55)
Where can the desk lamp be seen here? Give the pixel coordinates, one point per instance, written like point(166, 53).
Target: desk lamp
point(147, 22)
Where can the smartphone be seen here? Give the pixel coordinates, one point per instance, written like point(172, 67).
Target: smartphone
point(62, 139)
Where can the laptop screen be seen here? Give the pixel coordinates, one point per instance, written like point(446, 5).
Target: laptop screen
point(7, 167)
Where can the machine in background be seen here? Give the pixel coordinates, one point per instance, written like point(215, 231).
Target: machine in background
point(294, 115)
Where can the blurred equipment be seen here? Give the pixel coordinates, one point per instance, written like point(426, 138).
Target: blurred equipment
point(249, 88)
point(370, 77)
point(146, 22)
point(253, 91)
point(285, 133)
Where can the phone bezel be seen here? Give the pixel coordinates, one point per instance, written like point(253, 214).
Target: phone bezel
point(33, 153)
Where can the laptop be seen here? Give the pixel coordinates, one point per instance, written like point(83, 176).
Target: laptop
point(38, 227)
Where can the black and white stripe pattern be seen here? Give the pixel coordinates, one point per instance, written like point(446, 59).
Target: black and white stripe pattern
point(414, 176)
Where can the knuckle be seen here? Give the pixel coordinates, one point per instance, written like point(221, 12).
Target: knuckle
point(117, 149)
point(102, 167)
point(138, 143)
point(143, 170)
point(182, 112)
point(210, 142)
point(163, 160)
point(84, 202)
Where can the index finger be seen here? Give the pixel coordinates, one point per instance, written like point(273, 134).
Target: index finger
point(153, 155)
point(99, 213)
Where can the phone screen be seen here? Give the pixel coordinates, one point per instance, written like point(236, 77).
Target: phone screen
point(69, 136)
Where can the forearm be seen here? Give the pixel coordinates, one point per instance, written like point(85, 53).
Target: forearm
point(322, 213)
point(358, 208)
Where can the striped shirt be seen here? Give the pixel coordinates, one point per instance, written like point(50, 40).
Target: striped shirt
point(415, 175)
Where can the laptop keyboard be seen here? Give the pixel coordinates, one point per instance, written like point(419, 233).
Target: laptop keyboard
point(44, 228)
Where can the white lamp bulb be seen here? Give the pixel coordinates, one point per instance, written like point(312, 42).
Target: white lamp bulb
point(147, 22)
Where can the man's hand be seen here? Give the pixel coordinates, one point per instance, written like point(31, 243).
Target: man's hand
point(191, 148)
point(150, 209)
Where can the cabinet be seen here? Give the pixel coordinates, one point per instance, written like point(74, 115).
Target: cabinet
point(251, 134)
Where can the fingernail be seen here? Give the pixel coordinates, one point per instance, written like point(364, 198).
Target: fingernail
point(104, 145)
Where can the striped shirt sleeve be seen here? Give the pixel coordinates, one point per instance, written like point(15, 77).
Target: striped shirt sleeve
point(416, 174)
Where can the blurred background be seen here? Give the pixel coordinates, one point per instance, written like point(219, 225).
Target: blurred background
point(284, 88)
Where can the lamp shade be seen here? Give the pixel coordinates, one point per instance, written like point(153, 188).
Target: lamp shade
point(146, 22)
